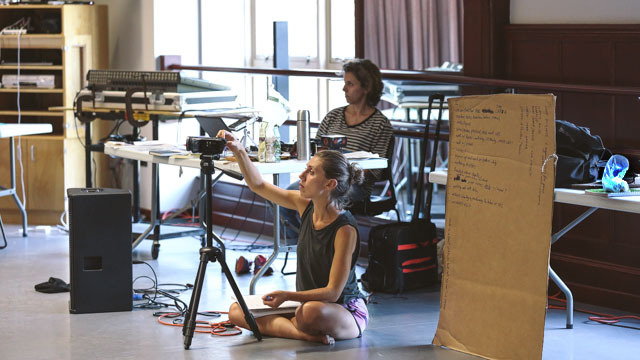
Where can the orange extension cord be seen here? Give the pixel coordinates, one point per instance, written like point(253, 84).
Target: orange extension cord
point(599, 317)
point(223, 328)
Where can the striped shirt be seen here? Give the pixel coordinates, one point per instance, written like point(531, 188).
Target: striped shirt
point(372, 135)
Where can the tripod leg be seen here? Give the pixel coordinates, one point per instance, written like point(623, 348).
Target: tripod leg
point(3, 235)
point(248, 317)
point(190, 317)
point(221, 246)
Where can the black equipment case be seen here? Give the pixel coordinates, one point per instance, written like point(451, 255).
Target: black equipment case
point(403, 256)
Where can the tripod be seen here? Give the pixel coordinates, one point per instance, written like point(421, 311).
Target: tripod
point(211, 253)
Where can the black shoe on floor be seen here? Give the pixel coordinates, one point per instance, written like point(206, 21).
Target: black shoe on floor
point(54, 285)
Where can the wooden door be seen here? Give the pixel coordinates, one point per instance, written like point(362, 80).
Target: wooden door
point(45, 183)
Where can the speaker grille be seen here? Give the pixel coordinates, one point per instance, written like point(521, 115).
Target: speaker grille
point(100, 250)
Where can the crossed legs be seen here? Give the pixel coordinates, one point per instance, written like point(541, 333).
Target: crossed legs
point(315, 321)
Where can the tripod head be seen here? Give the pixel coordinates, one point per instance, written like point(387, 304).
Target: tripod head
point(206, 145)
point(210, 149)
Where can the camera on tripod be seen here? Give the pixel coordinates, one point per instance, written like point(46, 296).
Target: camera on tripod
point(206, 145)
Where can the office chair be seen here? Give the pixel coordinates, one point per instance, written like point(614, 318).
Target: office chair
point(387, 200)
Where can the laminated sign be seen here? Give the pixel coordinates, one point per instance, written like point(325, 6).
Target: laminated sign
point(498, 225)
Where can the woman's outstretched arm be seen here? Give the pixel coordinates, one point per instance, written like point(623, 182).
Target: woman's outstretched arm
point(288, 198)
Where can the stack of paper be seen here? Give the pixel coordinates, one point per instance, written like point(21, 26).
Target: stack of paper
point(360, 155)
point(259, 309)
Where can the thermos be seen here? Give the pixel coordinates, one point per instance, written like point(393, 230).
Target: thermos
point(304, 133)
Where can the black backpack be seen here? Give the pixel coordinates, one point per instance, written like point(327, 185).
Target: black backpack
point(581, 155)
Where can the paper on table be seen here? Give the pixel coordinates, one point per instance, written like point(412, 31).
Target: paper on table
point(169, 152)
point(259, 309)
point(604, 193)
point(360, 155)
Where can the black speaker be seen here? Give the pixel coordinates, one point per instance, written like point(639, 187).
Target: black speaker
point(100, 250)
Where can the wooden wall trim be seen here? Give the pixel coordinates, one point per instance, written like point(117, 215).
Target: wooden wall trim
point(359, 24)
point(483, 40)
point(599, 283)
point(572, 28)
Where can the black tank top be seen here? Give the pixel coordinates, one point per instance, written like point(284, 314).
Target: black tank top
point(315, 255)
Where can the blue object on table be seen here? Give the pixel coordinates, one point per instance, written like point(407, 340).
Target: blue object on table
point(612, 179)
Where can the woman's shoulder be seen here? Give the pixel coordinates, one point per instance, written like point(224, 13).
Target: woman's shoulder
point(346, 218)
point(346, 221)
point(379, 116)
point(333, 116)
point(337, 112)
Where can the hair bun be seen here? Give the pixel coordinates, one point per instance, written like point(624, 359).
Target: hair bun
point(356, 174)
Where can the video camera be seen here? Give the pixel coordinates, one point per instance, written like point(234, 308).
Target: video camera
point(206, 145)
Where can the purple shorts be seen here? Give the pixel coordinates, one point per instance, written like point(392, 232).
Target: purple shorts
point(358, 309)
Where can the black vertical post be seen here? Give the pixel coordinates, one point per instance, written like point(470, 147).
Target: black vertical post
point(87, 154)
point(281, 61)
point(281, 56)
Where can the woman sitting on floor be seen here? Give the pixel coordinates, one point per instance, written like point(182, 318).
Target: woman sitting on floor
point(329, 244)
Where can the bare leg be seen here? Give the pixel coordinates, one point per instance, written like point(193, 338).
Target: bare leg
point(273, 325)
point(314, 321)
point(317, 317)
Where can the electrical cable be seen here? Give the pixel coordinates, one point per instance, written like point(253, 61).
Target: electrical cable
point(602, 318)
point(116, 129)
point(153, 294)
point(155, 276)
point(223, 328)
point(20, 24)
point(63, 226)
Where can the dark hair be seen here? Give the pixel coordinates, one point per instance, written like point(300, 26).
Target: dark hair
point(336, 166)
point(369, 76)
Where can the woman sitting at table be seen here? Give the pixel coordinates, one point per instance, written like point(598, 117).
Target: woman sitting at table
point(326, 285)
point(365, 127)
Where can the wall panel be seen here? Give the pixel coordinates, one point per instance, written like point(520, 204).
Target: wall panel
point(599, 258)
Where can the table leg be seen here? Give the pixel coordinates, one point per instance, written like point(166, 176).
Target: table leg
point(12, 164)
point(154, 207)
point(276, 241)
point(567, 293)
point(556, 279)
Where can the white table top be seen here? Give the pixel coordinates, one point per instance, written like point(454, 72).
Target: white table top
point(10, 130)
point(571, 196)
point(282, 167)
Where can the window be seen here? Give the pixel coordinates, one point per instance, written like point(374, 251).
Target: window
point(302, 20)
point(240, 34)
point(343, 33)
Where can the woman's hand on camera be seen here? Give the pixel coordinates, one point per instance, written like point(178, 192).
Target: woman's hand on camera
point(232, 142)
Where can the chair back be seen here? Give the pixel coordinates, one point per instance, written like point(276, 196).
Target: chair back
point(377, 204)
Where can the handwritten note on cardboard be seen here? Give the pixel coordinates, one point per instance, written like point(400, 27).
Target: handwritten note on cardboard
point(498, 225)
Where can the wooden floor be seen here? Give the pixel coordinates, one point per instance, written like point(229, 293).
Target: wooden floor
point(39, 326)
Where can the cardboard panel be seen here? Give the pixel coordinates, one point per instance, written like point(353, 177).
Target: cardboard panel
point(498, 225)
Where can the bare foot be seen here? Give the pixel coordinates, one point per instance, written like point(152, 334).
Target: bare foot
point(325, 339)
point(328, 340)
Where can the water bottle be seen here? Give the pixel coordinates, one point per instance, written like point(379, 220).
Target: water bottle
point(262, 144)
point(277, 148)
point(304, 134)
